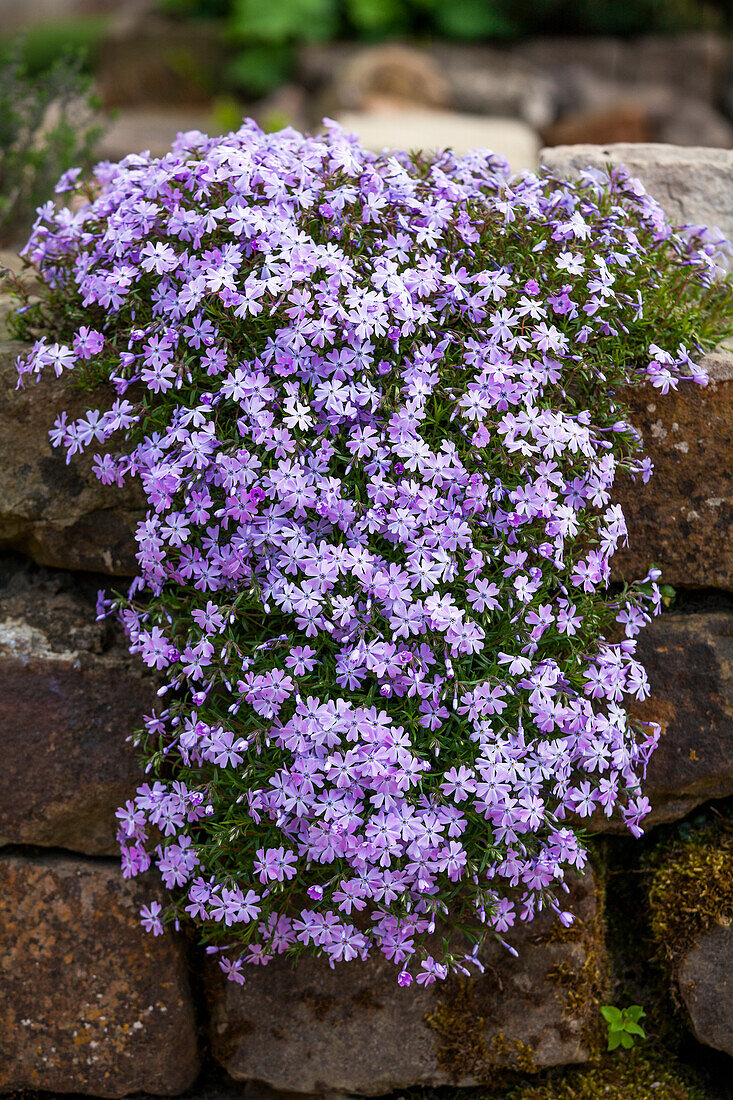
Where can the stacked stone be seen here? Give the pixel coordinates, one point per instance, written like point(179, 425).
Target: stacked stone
point(91, 1004)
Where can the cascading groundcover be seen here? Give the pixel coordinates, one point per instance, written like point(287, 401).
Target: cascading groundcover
point(373, 403)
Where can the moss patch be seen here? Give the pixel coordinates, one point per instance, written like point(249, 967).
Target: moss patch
point(691, 887)
point(460, 1045)
point(614, 1078)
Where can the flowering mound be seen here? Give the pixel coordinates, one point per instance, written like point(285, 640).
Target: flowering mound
point(371, 404)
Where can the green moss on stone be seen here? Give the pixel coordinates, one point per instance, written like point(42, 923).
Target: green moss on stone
point(630, 1076)
point(691, 887)
point(460, 1045)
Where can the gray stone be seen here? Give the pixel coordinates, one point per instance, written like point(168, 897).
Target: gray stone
point(307, 1028)
point(694, 185)
point(71, 697)
point(484, 80)
point(57, 514)
point(152, 128)
point(705, 982)
point(420, 129)
point(692, 64)
point(685, 120)
point(91, 1003)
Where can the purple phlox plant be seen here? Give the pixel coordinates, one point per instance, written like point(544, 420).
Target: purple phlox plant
point(375, 406)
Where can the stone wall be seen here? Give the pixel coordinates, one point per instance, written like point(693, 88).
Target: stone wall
point(92, 1005)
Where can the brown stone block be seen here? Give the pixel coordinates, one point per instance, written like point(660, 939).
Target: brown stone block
point(90, 1002)
point(689, 659)
point(307, 1028)
point(71, 696)
point(705, 981)
point(682, 520)
point(57, 514)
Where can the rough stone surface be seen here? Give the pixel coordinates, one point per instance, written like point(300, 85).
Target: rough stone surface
point(689, 658)
point(682, 520)
point(91, 1003)
point(705, 981)
point(692, 184)
point(70, 696)
point(57, 514)
point(352, 1029)
point(420, 129)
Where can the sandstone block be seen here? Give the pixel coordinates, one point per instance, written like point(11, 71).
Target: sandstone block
point(91, 1003)
point(71, 695)
point(57, 514)
point(398, 128)
point(307, 1028)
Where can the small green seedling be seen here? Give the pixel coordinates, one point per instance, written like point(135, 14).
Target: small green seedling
point(623, 1025)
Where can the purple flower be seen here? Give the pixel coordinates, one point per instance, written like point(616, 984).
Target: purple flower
point(380, 473)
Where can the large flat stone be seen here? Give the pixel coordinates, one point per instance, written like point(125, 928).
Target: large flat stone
point(90, 1002)
point(307, 1028)
point(417, 128)
point(693, 184)
point(71, 695)
point(57, 514)
point(689, 658)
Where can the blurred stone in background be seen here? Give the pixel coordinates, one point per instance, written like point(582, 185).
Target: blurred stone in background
point(162, 74)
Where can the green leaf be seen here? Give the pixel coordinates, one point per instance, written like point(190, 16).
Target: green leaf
point(626, 1041)
point(612, 1015)
point(614, 1039)
point(372, 16)
point(634, 1012)
point(280, 20)
point(474, 19)
point(634, 1029)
